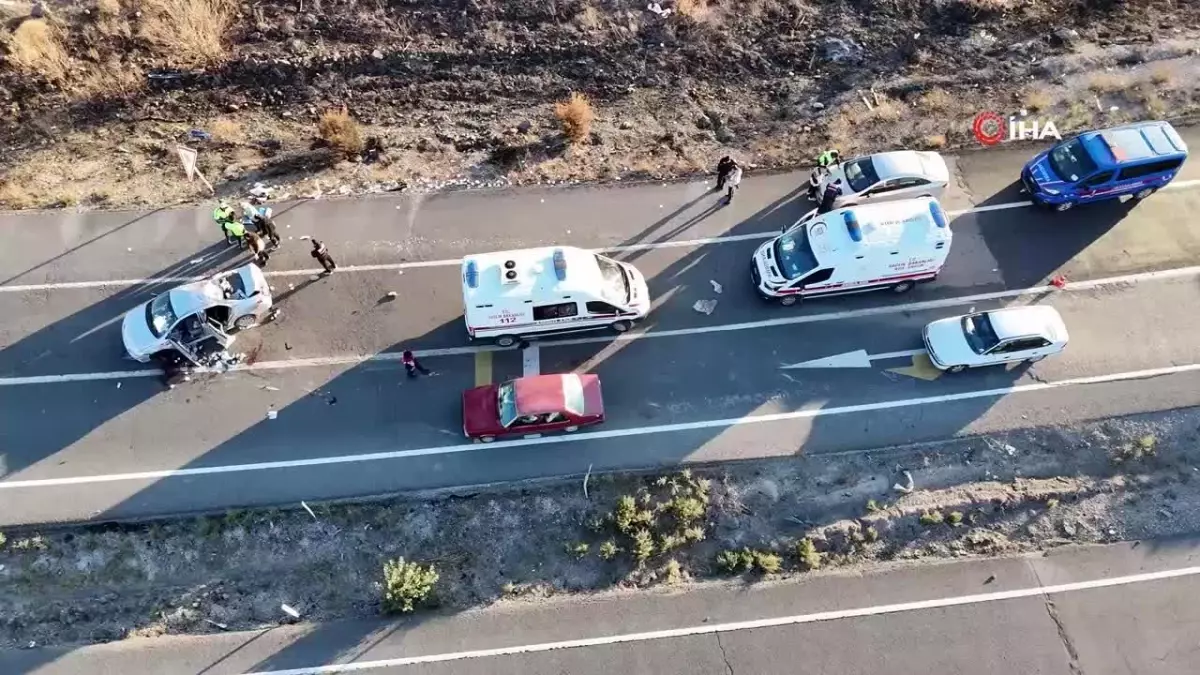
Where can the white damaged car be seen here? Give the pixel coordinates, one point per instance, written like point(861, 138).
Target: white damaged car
point(884, 177)
point(196, 320)
point(1000, 336)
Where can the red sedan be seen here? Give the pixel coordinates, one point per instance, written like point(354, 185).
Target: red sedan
point(532, 405)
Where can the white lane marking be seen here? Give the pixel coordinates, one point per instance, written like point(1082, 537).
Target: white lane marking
point(531, 360)
point(855, 359)
point(387, 267)
point(753, 624)
point(616, 340)
point(807, 413)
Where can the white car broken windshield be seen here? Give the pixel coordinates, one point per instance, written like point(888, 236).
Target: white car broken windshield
point(160, 315)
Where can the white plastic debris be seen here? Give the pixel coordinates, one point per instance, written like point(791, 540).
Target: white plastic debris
point(197, 261)
point(658, 9)
point(129, 249)
point(705, 307)
point(272, 414)
point(309, 509)
point(118, 385)
point(290, 611)
point(391, 294)
point(717, 288)
point(905, 488)
point(269, 387)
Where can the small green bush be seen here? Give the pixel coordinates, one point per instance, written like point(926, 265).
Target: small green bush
point(579, 550)
point(932, 518)
point(609, 550)
point(643, 545)
point(872, 534)
point(729, 561)
point(405, 584)
point(687, 509)
point(694, 533)
point(767, 562)
point(670, 541)
point(625, 513)
point(1051, 503)
point(673, 571)
point(808, 554)
point(873, 506)
point(955, 518)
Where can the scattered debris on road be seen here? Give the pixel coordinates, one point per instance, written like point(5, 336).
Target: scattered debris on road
point(705, 307)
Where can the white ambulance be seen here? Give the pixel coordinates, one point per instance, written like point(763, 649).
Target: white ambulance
point(893, 245)
point(559, 289)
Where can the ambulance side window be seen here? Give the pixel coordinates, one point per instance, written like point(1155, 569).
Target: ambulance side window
point(817, 277)
point(597, 307)
point(560, 311)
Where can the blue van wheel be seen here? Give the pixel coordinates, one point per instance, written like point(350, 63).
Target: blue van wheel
point(1142, 194)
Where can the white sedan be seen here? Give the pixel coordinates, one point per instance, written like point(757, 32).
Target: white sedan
point(198, 316)
point(997, 337)
point(884, 177)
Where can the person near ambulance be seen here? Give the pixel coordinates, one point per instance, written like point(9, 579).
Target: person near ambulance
point(891, 245)
point(825, 160)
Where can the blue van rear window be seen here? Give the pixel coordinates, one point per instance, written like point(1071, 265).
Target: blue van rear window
point(1071, 161)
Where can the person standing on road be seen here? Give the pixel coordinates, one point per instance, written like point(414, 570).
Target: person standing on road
point(223, 215)
point(733, 180)
point(258, 249)
point(832, 192)
point(724, 166)
point(260, 219)
point(412, 365)
point(322, 255)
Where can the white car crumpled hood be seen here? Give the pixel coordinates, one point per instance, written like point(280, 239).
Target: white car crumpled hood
point(947, 344)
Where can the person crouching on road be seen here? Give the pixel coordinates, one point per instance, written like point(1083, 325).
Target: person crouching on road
point(322, 255)
point(733, 181)
point(258, 249)
point(411, 365)
point(724, 166)
point(832, 192)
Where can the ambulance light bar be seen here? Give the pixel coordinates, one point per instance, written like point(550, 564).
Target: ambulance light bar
point(852, 226)
point(471, 275)
point(560, 264)
point(939, 216)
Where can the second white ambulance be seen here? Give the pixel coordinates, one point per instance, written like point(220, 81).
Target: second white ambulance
point(509, 295)
point(893, 245)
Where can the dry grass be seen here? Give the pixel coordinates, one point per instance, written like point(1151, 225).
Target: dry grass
point(341, 131)
point(1079, 116)
point(883, 109)
point(1107, 83)
point(1162, 76)
point(934, 141)
point(696, 10)
point(575, 114)
point(111, 79)
point(1036, 99)
point(14, 196)
point(225, 130)
point(108, 9)
point(936, 100)
point(1146, 94)
point(36, 48)
point(187, 33)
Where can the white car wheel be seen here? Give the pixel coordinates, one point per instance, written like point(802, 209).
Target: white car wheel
point(789, 300)
point(956, 369)
point(571, 429)
point(903, 287)
point(1065, 206)
point(487, 439)
point(620, 326)
point(245, 322)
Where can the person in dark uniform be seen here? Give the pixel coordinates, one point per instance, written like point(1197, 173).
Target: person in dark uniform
point(832, 192)
point(724, 167)
point(322, 255)
point(412, 365)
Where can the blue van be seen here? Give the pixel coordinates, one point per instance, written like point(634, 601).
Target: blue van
point(1132, 159)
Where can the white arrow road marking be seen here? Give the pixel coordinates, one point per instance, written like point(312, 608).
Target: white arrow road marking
point(856, 359)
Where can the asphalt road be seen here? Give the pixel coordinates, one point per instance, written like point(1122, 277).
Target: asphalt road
point(72, 447)
point(1111, 610)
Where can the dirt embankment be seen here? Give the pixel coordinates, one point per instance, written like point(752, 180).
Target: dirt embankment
point(1122, 479)
point(95, 96)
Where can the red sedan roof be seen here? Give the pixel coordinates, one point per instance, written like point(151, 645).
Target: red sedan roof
point(541, 394)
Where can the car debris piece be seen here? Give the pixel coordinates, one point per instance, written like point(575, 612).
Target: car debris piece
point(309, 509)
point(705, 307)
point(218, 625)
point(717, 288)
point(269, 387)
point(272, 414)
